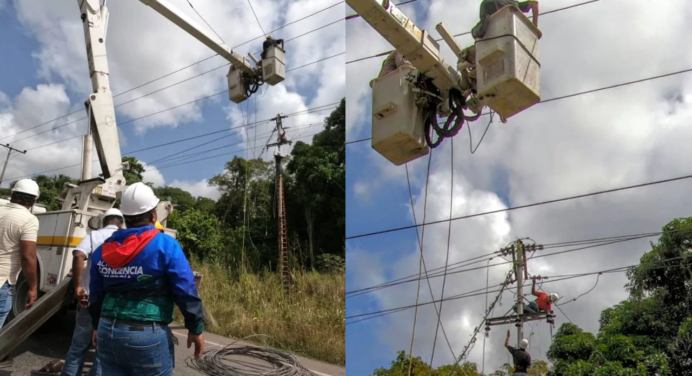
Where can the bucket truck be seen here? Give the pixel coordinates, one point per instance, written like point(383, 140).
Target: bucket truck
point(500, 71)
point(61, 231)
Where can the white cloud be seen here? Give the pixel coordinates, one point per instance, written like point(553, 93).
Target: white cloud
point(607, 139)
point(152, 175)
point(143, 45)
point(198, 188)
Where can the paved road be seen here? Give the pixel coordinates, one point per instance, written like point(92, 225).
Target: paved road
point(53, 340)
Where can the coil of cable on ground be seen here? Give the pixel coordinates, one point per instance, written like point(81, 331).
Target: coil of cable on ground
point(267, 362)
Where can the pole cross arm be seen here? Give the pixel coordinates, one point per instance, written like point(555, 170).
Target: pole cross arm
point(511, 319)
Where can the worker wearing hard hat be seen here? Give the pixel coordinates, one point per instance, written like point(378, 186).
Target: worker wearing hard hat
point(543, 303)
point(136, 277)
point(269, 42)
point(18, 235)
point(490, 7)
point(522, 359)
point(111, 221)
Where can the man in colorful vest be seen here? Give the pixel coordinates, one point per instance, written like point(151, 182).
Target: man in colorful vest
point(137, 276)
point(112, 220)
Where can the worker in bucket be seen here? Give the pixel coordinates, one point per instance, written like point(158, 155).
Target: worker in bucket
point(490, 7)
point(521, 357)
point(137, 276)
point(269, 42)
point(392, 62)
point(543, 303)
point(18, 235)
point(112, 220)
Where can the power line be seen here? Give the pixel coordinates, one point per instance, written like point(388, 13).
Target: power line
point(181, 69)
point(170, 108)
point(457, 269)
point(255, 14)
point(152, 167)
point(476, 293)
point(314, 109)
point(583, 92)
point(468, 32)
point(525, 206)
point(205, 21)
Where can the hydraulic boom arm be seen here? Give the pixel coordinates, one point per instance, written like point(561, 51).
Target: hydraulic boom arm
point(179, 18)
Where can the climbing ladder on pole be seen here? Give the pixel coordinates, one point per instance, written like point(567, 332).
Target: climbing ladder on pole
point(284, 269)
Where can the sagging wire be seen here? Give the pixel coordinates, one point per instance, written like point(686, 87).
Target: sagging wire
point(449, 239)
point(598, 276)
point(468, 127)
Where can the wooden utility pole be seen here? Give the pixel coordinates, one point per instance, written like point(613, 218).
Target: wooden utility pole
point(284, 270)
point(9, 152)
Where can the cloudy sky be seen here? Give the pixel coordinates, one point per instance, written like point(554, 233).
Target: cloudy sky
point(44, 75)
point(607, 139)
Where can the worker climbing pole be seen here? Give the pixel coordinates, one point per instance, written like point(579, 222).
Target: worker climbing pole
point(540, 309)
point(284, 267)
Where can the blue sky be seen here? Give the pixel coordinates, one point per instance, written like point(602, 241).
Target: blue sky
point(603, 140)
point(45, 76)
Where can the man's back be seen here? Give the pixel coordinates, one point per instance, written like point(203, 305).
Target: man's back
point(143, 272)
point(16, 224)
point(522, 359)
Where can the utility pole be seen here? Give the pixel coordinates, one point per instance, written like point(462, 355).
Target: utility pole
point(520, 284)
point(9, 152)
point(284, 270)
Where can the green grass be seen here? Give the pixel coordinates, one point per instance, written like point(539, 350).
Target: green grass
point(310, 321)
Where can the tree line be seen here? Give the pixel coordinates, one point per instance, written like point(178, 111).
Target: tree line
point(239, 229)
point(649, 333)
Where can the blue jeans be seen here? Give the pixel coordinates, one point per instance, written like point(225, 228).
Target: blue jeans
point(141, 350)
point(6, 295)
point(528, 308)
point(81, 341)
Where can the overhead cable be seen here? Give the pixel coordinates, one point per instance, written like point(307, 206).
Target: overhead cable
point(468, 32)
point(540, 203)
point(582, 93)
point(181, 69)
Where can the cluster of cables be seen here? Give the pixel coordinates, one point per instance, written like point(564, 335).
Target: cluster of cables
point(453, 123)
point(247, 361)
point(255, 82)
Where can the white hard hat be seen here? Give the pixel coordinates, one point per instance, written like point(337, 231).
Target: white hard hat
point(524, 343)
point(554, 297)
point(138, 199)
point(26, 186)
point(113, 213)
point(269, 36)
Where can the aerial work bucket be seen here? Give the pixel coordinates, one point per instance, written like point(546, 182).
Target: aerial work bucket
point(397, 123)
point(508, 71)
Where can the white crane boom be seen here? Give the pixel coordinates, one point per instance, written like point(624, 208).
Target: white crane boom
point(100, 103)
point(179, 18)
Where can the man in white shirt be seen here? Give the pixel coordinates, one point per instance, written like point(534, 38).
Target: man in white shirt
point(18, 234)
point(81, 339)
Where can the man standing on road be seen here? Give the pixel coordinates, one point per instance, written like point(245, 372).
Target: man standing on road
point(81, 339)
point(522, 359)
point(18, 235)
point(136, 277)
